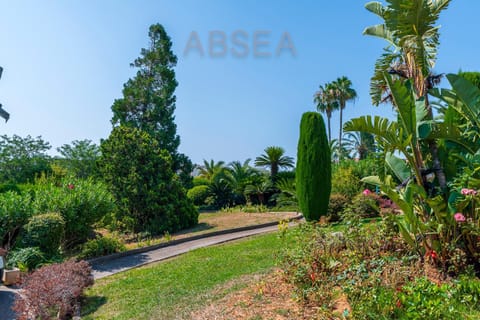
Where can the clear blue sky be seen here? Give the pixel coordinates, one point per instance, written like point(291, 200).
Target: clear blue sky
point(66, 61)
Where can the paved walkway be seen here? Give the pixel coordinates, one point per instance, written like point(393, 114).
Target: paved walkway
point(107, 268)
point(6, 300)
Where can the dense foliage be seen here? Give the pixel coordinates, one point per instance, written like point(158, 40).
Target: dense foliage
point(139, 175)
point(15, 210)
point(80, 158)
point(313, 174)
point(21, 159)
point(81, 202)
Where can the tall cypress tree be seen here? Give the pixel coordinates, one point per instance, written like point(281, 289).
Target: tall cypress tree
point(148, 101)
point(314, 172)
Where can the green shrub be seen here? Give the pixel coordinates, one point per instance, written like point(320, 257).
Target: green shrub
point(15, 210)
point(338, 203)
point(198, 194)
point(45, 231)
point(101, 246)
point(81, 202)
point(200, 181)
point(313, 174)
point(344, 182)
point(26, 258)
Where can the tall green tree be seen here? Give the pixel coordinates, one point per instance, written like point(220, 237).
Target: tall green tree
point(326, 102)
point(274, 159)
point(409, 28)
point(148, 101)
point(80, 157)
point(314, 171)
point(343, 92)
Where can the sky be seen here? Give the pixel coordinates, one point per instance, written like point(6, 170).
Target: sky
point(65, 62)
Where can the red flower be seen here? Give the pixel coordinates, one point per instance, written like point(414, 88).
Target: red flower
point(399, 304)
point(433, 255)
point(70, 186)
point(312, 276)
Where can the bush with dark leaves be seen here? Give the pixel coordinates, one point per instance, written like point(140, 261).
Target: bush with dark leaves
point(53, 291)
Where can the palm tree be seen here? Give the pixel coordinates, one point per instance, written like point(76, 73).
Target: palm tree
point(209, 169)
point(359, 144)
point(409, 28)
point(326, 103)
point(343, 92)
point(242, 174)
point(274, 159)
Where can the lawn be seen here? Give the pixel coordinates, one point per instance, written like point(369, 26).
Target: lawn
point(173, 289)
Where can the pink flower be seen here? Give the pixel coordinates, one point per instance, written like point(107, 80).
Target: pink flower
point(459, 217)
point(70, 186)
point(366, 192)
point(468, 192)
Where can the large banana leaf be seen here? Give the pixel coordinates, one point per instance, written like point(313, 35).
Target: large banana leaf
point(398, 166)
point(382, 128)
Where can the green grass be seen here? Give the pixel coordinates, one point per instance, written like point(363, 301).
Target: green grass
point(172, 289)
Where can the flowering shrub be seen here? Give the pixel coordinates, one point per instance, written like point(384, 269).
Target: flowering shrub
point(53, 291)
point(81, 203)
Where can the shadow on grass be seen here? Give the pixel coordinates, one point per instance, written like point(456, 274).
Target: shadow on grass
point(198, 228)
point(91, 304)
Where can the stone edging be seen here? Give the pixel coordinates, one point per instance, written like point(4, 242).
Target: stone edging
point(109, 257)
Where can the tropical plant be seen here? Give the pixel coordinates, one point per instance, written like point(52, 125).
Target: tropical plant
point(210, 168)
point(326, 102)
point(359, 144)
point(274, 159)
point(343, 92)
point(409, 28)
point(260, 190)
point(314, 173)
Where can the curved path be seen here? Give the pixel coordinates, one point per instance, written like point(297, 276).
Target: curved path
point(115, 265)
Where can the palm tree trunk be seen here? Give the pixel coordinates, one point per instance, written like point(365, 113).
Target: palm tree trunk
point(329, 130)
point(340, 131)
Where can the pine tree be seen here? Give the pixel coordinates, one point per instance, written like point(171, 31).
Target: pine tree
point(148, 101)
point(313, 173)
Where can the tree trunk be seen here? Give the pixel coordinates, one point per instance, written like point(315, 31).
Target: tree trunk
point(340, 132)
